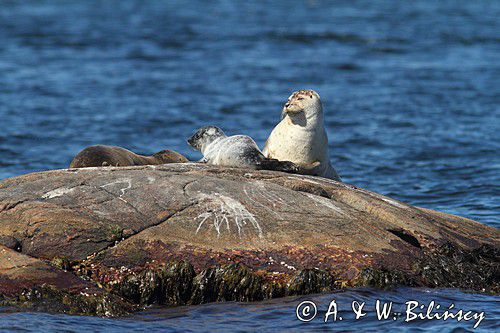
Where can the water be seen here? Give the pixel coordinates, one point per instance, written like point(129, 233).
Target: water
point(276, 316)
point(411, 94)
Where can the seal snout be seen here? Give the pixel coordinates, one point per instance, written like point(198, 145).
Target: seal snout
point(302, 100)
point(194, 140)
point(292, 107)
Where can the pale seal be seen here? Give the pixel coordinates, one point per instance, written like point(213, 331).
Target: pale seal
point(238, 151)
point(100, 155)
point(300, 137)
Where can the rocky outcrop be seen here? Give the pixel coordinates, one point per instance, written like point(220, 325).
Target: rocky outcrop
point(191, 233)
point(34, 284)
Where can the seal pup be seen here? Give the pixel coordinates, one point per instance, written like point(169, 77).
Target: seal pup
point(101, 155)
point(300, 137)
point(234, 151)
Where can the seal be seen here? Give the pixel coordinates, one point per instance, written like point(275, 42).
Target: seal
point(101, 155)
point(300, 137)
point(238, 151)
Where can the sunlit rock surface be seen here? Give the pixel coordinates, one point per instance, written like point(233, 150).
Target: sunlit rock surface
point(191, 233)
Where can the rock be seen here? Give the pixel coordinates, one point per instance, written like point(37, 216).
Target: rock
point(192, 233)
point(31, 283)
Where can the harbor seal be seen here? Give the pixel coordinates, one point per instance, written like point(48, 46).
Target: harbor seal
point(101, 155)
point(234, 151)
point(300, 137)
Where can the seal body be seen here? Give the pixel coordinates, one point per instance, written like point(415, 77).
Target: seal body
point(101, 155)
point(300, 137)
point(234, 151)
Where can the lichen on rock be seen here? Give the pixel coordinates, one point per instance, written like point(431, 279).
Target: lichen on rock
point(188, 233)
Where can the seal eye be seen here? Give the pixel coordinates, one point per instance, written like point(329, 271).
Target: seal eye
point(300, 98)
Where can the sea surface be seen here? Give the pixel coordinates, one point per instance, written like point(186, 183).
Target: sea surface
point(411, 93)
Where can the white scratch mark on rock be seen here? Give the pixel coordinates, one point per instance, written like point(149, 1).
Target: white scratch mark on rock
point(392, 202)
point(223, 210)
point(250, 197)
point(127, 181)
point(325, 202)
point(263, 191)
point(204, 217)
point(57, 192)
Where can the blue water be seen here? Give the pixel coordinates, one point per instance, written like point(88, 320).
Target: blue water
point(277, 316)
point(411, 92)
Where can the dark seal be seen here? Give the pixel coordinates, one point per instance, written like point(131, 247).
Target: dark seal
point(100, 155)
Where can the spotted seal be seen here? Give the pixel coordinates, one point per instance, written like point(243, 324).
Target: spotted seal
point(101, 155)
point(300, 137)
point(239, 151)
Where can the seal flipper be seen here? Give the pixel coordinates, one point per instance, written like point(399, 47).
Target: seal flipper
point(318, 169)
point(311, 169)
point(275, 165)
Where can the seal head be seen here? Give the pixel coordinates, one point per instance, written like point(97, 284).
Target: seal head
point(303, 106)
point(205, 136)
point(168, 156)
point(307, 101)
